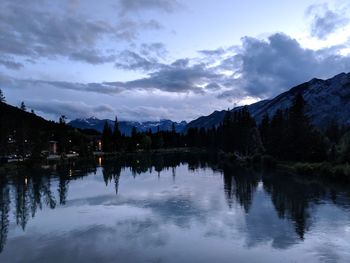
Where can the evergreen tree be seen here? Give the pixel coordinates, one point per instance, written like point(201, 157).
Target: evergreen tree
point(62, 120)
point(274, 141)
point(107, 138)
point(264, 128)
point(116, 135)
point(23, 106)
point(298, 139)
point(2, 97)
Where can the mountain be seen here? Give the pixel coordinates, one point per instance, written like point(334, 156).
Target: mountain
point(327, 101)
point(126, 126)
point(12, 117)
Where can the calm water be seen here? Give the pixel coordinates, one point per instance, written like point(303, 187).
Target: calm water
point(170, 209)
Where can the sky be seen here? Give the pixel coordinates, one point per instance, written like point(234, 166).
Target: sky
point(165, 59)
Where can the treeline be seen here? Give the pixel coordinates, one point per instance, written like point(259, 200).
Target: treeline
point(23, 134)
point(287, 135)
point(114, 141)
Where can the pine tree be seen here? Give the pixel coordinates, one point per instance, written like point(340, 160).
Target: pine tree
point(116, 135)
point(62, 120)
point(264, 128)
point(2, 97)
point(275, 139)
point(299, 128)
point(107, 138)
point(23, 106)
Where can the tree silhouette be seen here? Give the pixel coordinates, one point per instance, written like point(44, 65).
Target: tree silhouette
point(23, 106)
point(2, 97)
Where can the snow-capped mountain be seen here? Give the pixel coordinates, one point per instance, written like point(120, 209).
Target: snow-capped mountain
point(126, 126)
point(326, 101)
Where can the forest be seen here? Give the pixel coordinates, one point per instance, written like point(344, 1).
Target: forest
point(288, 135)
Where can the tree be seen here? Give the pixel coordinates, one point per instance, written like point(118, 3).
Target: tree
point(23, 106)
point(107, 138)
point(2, 97)
point(133, 132)
point(299, 128)
point(62, 120)
point(264, 128)
point(344, 148)
point(116, 135)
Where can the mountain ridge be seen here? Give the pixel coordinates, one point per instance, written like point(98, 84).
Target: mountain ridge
point(126, 126)
point(326, 101)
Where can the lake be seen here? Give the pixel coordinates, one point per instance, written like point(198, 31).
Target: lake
point(171, 208)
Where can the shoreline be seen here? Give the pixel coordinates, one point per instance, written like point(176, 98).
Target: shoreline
point(323, 170)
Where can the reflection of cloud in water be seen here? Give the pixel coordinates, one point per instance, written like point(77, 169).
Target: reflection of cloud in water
point(97, 243)
point(198, 215)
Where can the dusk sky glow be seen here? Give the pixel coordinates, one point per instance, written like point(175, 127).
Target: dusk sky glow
point(164, 59)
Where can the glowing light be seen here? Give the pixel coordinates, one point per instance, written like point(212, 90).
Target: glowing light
point(100, 161)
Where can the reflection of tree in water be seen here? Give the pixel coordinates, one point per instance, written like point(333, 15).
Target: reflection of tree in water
point(22, 201)
point(4, 211)
point(111, 171)
point(30, 190)
point(240, 184)
point(293, 199)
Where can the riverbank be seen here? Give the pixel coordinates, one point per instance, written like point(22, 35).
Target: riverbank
point(319, 170)
point(152, 151)
point(330, 171)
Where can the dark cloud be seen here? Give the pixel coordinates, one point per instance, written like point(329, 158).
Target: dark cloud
point(39, 33)
point(179, 77)
point(10, 63)
point(130, 60)
point(325, 21)
point(154, 50)
point(71, 109)
point(259, 69)
point(146, 59)
point(264, 68)
point(91, 56)
point(32, 32)
point(168, 6)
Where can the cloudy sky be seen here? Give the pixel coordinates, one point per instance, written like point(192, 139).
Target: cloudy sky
point(156, 59)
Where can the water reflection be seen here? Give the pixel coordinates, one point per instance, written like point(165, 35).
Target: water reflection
point(165, 201)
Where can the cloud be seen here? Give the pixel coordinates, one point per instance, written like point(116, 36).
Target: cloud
point(146, 59)
point(168, 6)
point(130, 60)
point(179, 77)
point(71, 109)
point(259, 69)
point(42, 31)
point(214, 52)
point(154, 50)
point(9, 63)
point(91, 56)
point(326, 21)
point(264, 68)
